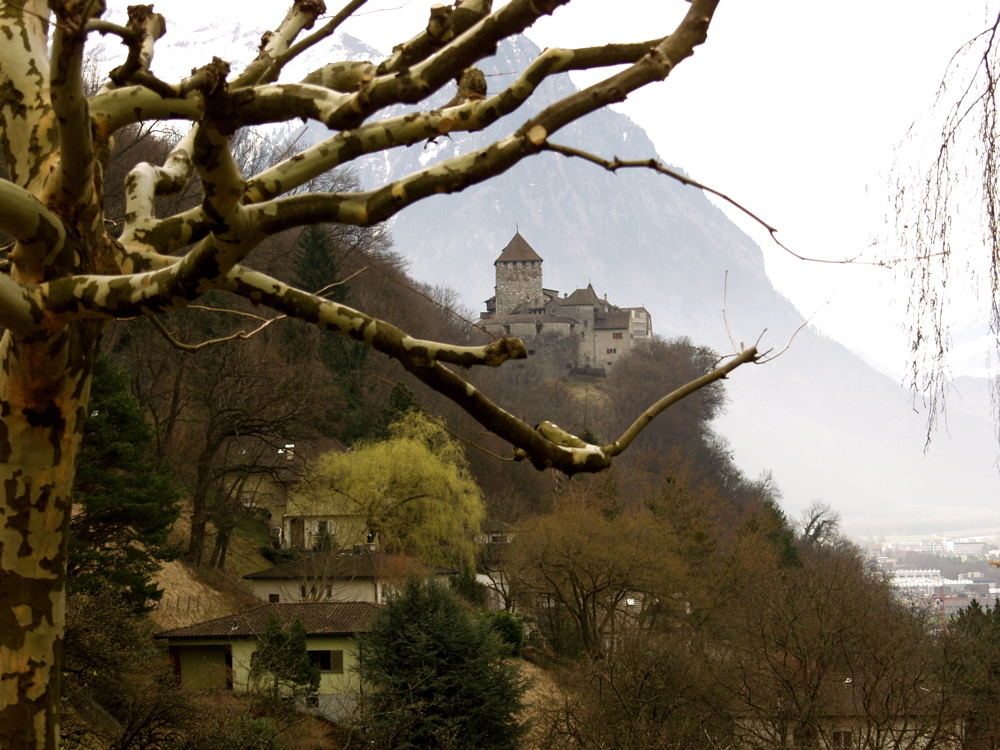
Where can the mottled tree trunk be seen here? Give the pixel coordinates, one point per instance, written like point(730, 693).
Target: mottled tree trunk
point(44, 388)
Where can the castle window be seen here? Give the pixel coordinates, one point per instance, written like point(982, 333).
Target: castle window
point(617, 335)
point(612, 351)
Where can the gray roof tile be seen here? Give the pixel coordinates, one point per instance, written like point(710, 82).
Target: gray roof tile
point(318, 618)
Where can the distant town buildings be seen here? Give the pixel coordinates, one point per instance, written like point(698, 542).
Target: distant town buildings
point(522, 307)
point(941, 592)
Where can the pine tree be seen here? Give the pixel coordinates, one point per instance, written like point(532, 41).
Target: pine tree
point(438, 676)
point(316, 269)
point(281, 666)
point(125, 502)
point(972, 668)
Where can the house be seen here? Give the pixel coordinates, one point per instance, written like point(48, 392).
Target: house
point(363, 575)
point(842, 710)
point(216, 654)
point(308, 526)
point(492, 564)
point(521, 306)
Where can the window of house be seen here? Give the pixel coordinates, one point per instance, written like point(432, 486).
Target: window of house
point(327, 661)
point(612, 351)
point(842, 738)
point(273, 598)
point(322, 527)
point(617, 335)
point(329, 591)
point(312, 701)
point(302, 591)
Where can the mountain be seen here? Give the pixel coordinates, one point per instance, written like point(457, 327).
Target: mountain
point(827, 424)
point(824, 422)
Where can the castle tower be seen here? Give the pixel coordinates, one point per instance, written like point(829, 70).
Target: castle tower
point(519, 276)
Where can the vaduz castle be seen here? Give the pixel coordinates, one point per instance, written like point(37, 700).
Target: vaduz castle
point(522, 307)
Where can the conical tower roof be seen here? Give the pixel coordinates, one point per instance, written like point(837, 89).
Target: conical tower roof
point(518, 249)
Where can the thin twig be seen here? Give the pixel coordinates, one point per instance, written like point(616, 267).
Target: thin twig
point(191, 348)
point(436, 303)
point(323, 290)
point(467, 441)
point(725, 319)
point(445, 427)
point(613, 165)
point(768, 357)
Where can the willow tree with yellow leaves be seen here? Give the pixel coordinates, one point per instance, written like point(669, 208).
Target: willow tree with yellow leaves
point(68, 275)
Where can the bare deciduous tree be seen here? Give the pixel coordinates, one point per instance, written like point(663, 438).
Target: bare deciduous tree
point(69, 275)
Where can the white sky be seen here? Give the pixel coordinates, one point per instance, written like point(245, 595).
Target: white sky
point(794, 108)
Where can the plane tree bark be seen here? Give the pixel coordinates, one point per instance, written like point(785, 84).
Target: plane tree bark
point(68, 275)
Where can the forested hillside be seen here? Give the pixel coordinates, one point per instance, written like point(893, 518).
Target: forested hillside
point(670, 601)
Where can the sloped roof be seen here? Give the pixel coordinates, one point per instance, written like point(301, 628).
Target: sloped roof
point(614, 319)
point(582, 297)
point(525, 308)
point(318, 618)
point(528, 318)
point(517, 249)
point(335, 566)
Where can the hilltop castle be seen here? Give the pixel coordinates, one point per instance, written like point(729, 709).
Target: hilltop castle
point(522, 307)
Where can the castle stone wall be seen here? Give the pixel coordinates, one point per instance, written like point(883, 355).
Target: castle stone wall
point(518, 281)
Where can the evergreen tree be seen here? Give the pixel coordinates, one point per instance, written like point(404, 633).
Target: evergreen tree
point(125, 502)
point(316, 269)
point(281, 664)
point(971, 666)
point(438, 676)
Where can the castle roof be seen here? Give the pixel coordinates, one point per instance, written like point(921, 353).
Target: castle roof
point(614, 319)
point(528, 318)
point(518, 249)
point(582, 297)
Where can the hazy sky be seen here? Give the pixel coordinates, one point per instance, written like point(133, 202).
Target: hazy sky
point(796, 109)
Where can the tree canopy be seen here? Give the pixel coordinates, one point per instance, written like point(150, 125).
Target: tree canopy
point(438, 675)
point(280, 665)
point(126, 501)
point(413, 490)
